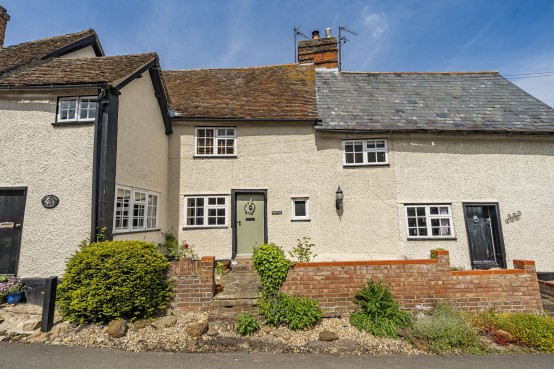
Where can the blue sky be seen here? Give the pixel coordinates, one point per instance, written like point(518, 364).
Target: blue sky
point(513, 37)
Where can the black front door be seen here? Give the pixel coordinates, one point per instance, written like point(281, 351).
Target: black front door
point(484, 236)
point(12, 208)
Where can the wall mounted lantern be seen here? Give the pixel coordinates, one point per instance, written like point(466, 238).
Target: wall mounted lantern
point(339, 197)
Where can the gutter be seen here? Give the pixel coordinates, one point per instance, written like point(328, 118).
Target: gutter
point(463, 132)
point(203, 119)
point(52, 87)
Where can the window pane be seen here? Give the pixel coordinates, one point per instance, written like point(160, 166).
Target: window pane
point(423, 231)
point(420, 211)
point(381, 157)
point(359, 158)
point(371, 157)
point(380, 144)
point(211, 200)
point(221, 201)
point(300, 208)
point(444, 210)
point(421, 222)
point(411, 212)
point(349, 158)
point(370, 144)
point(433, 210)
point(411, 222)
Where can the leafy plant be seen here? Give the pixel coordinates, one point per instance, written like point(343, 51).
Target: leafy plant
point(114, 279)
point(296, 312)
point(246, 324)
point(379, 314)
point(445, 328)
point(303, 250)
point(170, 245)
point(10, 285)
point(272, 266)
point(434, 254)
point(525, 329)
point(186, 251)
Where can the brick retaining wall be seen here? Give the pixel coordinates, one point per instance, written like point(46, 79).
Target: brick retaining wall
point(194, 283)
point(418, 283)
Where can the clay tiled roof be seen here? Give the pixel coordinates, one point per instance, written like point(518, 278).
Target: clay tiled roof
point(271, 92)
point(447, 102)
point(20, 55)
point(106, 69)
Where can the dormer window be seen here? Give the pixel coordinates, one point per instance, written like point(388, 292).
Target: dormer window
point(76, 109)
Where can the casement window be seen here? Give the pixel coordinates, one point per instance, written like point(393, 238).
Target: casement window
point(219, 141)
point(365, 152)
point(300, 208)
point(135, 210)
point(429, 221)
point(205, 211)
point(76, 109)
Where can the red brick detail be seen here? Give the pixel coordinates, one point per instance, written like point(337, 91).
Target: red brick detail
point(417, 283)
point(194, 283)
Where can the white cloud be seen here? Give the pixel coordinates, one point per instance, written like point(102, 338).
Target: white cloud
point(375, 23)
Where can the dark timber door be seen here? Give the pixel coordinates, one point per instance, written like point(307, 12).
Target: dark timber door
point(12, 208)
point(484, 236)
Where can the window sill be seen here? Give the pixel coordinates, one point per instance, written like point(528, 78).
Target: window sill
point(365, 165)
point(301, 220)
point(73, 123)
point(205, 227)
point(214, 156)
point(117, 233)
point(431, 238)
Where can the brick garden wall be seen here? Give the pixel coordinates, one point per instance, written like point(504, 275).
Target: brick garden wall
point(418, 283)
point(194, 283)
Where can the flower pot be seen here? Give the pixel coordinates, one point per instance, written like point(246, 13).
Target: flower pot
point(14, 298)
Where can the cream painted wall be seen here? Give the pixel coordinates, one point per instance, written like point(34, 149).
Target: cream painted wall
point(142, 149)
point(289, 160)
point(85, 52)
point(517, 172)
point(46, 160)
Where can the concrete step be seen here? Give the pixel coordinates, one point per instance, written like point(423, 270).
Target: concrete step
point(242, 265)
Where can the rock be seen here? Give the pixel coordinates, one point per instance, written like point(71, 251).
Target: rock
point(328, 336)
point(266, 329)
point(3, 338)
point(31, 325)
point(197, 330)
point(502, 337)
point(244, 346)
point(422, 345)
point(141, 324)
point(403, 332)
point(117, 328)
point(167, 321)
point(212, 331)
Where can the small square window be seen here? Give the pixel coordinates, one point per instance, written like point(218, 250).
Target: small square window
point(76, 109)
point(429, 221)
point(300, 208)
point(365, 152)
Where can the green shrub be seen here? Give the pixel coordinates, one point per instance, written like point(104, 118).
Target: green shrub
point(527, 329)
point(303, 250)
point(295, 312)
point(378, 314)
point(272, 266)
point(170, 247)
point(434, 254)
point(114, 279)
point(446, 329)
point(246, 324)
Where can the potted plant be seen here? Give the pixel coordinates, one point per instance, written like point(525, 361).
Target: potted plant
point(170, 247)
point(11, 289)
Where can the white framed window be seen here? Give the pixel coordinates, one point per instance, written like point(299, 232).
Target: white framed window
point(300, 208)
point(205, 211)
point(365, 152)
point(135, 209)
point(215, 141)
point(429, 221)
point(76, 109)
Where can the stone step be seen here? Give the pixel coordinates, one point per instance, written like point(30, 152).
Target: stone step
point(242, 265)
point(234, 302)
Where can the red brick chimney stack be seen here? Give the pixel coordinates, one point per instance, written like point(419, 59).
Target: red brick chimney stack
point(4, 18)
point(322, 52)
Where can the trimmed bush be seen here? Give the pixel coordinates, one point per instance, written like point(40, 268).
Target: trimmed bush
point(246, 324)
point(272, 266)
point(295, 312)
point(379, 314)
point(114, 279)
point(445, 329)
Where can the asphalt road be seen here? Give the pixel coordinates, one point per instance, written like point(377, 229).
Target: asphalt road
point(36, 356)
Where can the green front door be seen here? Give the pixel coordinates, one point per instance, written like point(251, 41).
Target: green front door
point(250, 222)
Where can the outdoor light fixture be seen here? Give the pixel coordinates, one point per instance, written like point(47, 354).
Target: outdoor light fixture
point(339, 196)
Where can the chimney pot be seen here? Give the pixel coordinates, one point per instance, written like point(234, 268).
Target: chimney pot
point(327, 32)
point(315, 35)
point(4, 18)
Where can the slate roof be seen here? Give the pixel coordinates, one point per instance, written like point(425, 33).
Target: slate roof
point(74, 71)
point(270, 92)
point(20, 55)
point(482, 101)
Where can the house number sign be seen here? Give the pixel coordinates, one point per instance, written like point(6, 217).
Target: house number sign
point(50, 201)
point(513, 217)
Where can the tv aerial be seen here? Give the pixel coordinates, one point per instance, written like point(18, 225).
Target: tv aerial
point(342, 40)
point(297, 32)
